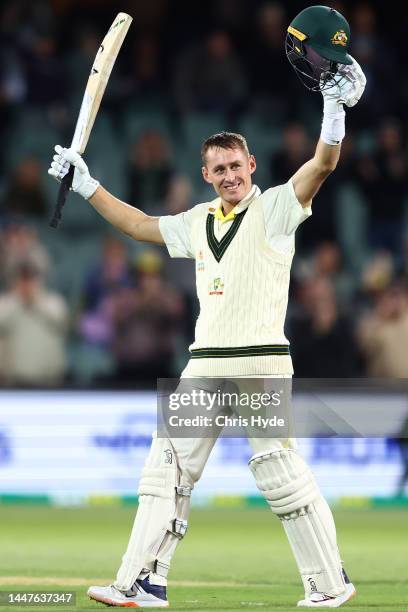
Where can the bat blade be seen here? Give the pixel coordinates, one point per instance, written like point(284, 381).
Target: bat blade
point(98, 79)
point(95, 88)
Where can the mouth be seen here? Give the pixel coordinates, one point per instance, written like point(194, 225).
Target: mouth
point(233, 187)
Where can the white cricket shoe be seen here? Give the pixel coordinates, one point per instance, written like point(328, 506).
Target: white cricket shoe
point(142, 595)
point(321, 600)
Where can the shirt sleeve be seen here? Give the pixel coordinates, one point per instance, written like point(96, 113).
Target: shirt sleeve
point(176, 232)
point(283, 214)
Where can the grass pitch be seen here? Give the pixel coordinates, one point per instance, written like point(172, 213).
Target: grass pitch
point(232, 559)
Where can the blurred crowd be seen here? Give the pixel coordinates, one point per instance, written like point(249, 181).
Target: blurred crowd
point(86, 306)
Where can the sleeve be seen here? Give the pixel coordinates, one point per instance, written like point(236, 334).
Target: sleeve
point(176, 230)
point(283, 214)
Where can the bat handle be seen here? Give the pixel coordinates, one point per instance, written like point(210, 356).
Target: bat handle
point(62, 196)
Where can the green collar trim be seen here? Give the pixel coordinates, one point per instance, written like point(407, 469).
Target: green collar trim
point(218, 248)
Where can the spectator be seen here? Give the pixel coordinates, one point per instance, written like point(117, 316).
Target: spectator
point(384, 182)
point(323, 341)
point(145, 323)
point(44, 71)
point(25, 194)
point(108, 277)
point(179, 196)
point(265, 46)
point(210, 77)
point(374, 52)
point(383, 335)
point(150, 171)
point(81, 56)
point(33, 324)
point(294, 152)
point(180, 273)
point(13, 86)
point(19, 245)
point(326, 262)
point(147, 79)
point(377, 276)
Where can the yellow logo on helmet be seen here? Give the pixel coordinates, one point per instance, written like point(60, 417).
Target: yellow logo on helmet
point(340, 38)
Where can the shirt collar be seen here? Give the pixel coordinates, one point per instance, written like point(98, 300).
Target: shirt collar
point(238, 208)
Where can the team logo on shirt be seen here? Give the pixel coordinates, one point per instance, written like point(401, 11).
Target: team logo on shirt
point(216, 286)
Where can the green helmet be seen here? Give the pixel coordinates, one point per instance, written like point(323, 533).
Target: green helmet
point(318, 39)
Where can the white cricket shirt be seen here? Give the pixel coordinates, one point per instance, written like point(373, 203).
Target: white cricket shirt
point(243, 265)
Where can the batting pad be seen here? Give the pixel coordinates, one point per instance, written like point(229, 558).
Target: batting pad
point(161, 519)
point(291, 491)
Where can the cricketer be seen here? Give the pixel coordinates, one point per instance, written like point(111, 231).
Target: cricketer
point(243, 243)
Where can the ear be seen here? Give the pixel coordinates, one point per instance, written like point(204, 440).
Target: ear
point(206, 177)
point(252, 164)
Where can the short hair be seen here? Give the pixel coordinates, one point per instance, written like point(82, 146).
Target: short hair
point(224, 140)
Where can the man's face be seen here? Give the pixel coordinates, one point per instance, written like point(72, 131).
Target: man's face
point(229, 172)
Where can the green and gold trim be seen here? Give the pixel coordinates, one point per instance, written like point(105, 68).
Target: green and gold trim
point(241, 351)
point(295, 32)
point(218, 248)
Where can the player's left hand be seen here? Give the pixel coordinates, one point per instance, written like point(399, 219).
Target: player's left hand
point(350, 86)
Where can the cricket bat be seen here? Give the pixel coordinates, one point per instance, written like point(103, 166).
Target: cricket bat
point(95, 88)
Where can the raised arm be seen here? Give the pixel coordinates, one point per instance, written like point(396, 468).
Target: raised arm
point(129, 220)
point(309, 178)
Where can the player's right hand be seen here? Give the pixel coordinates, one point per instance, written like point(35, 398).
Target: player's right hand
point(82, 183)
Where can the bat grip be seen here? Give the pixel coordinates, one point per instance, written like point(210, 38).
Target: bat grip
point(62, 196)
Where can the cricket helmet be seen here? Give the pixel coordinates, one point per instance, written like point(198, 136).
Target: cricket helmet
point(317, 41)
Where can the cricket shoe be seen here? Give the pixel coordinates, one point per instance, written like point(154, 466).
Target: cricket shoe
point(141, 595)
point(321, 600)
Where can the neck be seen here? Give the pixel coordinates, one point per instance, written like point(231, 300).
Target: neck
point(227, 207)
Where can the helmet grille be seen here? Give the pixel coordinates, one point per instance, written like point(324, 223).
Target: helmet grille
point(314, 71)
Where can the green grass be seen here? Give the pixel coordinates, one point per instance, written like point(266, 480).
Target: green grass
point(232, 559)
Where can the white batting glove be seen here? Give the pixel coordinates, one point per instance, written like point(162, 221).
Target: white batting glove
point(82, 183)
point(348, 90)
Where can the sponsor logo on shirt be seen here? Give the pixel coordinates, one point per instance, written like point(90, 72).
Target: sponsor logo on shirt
point(216, 286)
point(200, 264)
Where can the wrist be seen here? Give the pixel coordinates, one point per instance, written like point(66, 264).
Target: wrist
point(89, 187)
point(333, 124)
point(332, 106)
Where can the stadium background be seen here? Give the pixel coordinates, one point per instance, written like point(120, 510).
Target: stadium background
point(116, 314)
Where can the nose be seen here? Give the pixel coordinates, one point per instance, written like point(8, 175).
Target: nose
point(230, 176)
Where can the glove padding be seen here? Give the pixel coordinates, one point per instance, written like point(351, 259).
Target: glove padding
point(348, 90)
point(82, 182)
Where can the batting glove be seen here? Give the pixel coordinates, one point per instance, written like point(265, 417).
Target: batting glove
point(82, 183)
point(348, 90)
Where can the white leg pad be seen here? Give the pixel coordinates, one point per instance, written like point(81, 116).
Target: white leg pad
point(291, 491)
point(161, 519)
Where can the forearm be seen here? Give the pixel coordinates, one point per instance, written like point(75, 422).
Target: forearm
point(124, 217)
point(326, 157)
point(128, 219)
point(310, 177)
